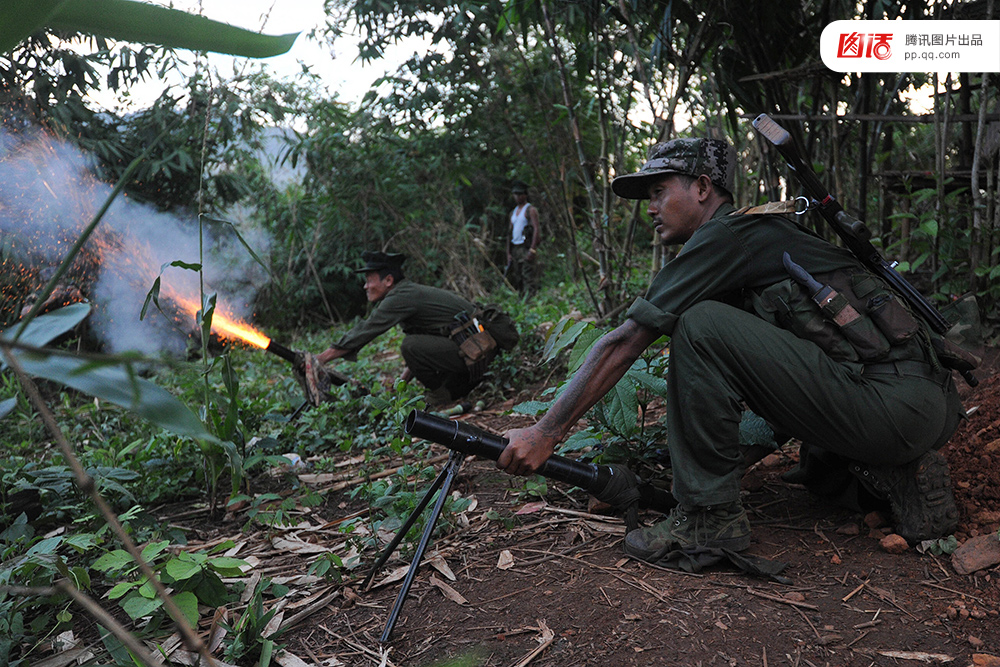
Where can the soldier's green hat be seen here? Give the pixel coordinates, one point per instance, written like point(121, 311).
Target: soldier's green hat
point(379, 261)
point(713, 157)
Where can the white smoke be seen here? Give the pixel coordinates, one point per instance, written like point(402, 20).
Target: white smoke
point(49, 195)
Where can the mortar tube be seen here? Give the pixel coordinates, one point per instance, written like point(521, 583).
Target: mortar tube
point(592, 478)
point(473, 441)
point(280, 350)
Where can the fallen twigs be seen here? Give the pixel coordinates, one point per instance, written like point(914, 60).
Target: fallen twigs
point(545, 639)
point(776, 598)
point(380, 657)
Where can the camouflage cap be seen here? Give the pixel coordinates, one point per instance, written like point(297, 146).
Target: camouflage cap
point(713, 157)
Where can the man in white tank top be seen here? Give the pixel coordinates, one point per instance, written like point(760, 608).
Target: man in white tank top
point(523, 242)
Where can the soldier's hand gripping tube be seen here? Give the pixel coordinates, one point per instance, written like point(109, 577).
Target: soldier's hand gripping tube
point(614, 484)
point(314, 378)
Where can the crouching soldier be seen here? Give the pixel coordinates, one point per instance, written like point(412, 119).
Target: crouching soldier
point(445, 346)
point(858, 380)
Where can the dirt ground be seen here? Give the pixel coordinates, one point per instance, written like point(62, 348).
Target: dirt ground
point(522, 581)
point(551, 586)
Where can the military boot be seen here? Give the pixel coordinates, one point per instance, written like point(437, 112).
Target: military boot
point(919, 494)
point(438, 397)
point(716, 527)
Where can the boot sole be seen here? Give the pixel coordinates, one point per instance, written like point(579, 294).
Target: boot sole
point(937, 515)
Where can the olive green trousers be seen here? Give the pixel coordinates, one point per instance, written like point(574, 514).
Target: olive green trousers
point(723, 360)
point(436, 362)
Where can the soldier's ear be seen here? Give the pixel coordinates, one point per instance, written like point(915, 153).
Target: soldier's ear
point(705, 187)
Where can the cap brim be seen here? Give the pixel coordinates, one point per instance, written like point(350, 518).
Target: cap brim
point(636, 186)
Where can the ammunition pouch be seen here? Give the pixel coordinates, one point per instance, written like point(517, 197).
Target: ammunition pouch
point(500, 325)
point(478, 347)
point(475, 344)
point(864, 323)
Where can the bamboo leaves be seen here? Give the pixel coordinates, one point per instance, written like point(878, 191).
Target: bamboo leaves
point(116, 381)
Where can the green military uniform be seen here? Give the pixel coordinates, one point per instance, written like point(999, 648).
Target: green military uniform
point(426, 315)
point(887, 409)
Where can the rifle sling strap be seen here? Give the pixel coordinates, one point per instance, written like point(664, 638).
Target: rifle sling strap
point(770, 208)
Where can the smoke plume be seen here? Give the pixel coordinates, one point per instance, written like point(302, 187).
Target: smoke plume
point(49, 195)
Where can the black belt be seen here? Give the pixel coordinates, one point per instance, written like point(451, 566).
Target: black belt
point(909, 367)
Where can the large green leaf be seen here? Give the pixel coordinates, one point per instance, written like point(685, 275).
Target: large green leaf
point(567, 336)
point(116, 383)
point(581, 348)
point(623, 411)
point(46, 328)
point(138, 607)
point(187, 602)
point(182, 569)
point(20, 18)
point(135, 22)
point(653, 383)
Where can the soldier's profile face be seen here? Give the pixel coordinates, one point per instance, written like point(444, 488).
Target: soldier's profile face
point(673, 207)
point(376, 287)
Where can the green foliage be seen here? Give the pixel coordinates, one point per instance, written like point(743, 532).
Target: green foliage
point(35, 561)
point(328, 565)
point(195, 578)
point(534, 487)
point(941, 546)
point(620, 432)
point(245, 642)
point(136, 22)
point(268, 509)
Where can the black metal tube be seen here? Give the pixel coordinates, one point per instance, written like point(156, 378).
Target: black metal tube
point(280, 350)
point(594, 479)
point(473, 441)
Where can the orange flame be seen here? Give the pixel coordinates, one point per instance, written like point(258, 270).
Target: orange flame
point(226, 325)
point(230, 328)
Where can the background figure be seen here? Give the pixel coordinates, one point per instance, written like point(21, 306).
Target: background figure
point(522, 244)
point(427, 316)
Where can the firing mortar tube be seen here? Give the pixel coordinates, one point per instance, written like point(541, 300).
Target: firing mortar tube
point(281, 351)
